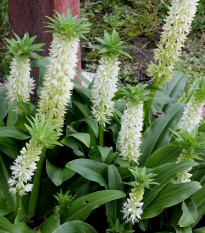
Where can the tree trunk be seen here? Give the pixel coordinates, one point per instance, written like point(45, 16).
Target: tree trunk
point(29, 16)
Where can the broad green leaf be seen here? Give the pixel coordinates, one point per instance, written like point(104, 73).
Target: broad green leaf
point(83, 79)
point(199, 230)
point(12, 132)
point(9, 147)
point(183, 230)
point(3, 103)
point(82, 137)
point(81, 208)
point(164, 174)
point(7, 227)
point(104, 152)
point(165, 154)
point(92, 123)
point(90, 169)
point(199, 200)
point(58, 175)
point(75, 227)
point(158, 134)
point(176, 86)
point(85, 93)
point(171, 195)
point(21, 224)
point(159, 100)
point(4, 190)
point(190, 213)
point(83, 108)
point(71, 142)
point(42, 64)
point(113, 208)
point(12, 116)
point(51, 223)
point(4, 207)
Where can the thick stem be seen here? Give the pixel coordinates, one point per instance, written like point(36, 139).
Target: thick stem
point(36, 185)
point(116, 118)
point(130, 226)
point(28, 108)
point(101, 134)
point(21, 106)
point(19, 201)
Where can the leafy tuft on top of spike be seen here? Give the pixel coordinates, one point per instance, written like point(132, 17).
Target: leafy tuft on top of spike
point(43, 131)
point(24, 48)
point(111, 45)
point(133, 94)
point(142, 177)
point(69, 26)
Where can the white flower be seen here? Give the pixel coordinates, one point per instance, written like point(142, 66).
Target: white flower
point(58, 84)
point(104, 87)
point(130, 133)
point(24, 167)
point(175, 31)
point(192, 114)
point(19, 83)
point(132, 210)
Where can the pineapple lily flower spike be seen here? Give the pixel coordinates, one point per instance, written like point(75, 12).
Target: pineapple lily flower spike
point(191, 144)
point(43, 135)
point(132, 121)
point(19, 83)
point(105, 81)
point(192, 115)
point(175, 30)
point(132, 208)
point(58, 81)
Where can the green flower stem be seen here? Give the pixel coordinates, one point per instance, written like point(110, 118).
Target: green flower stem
point(19, 201)
point(21, 106)
point(101, 134)
point(117, 120)
point(36, 185)
point(130, 226)
point(28, 105)
point(148, 106)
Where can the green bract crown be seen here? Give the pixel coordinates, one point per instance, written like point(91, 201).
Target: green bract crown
point(142, 177)
point(188, 140)
point(133, 94)
point(24, 48)
point(111, 45)
point(69, 26)
point(43, 131)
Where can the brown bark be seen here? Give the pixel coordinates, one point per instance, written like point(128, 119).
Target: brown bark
point(29, 16)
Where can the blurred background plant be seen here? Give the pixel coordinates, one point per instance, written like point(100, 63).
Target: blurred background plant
point(139, 23)
point(4, 31)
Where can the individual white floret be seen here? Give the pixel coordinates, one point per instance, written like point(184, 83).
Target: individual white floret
point(19, 83)
point(130, 133)
point(104, 88)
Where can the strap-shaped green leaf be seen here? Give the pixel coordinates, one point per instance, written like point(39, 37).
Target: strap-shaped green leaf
point(82, 207)
point(91, 170)
point(171, 195)
point(74, 227)
point(158, 134)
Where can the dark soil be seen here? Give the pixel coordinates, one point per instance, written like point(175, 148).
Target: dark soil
point(132, 71)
